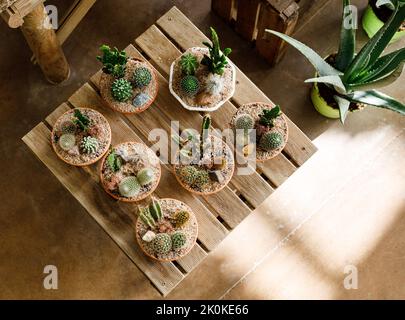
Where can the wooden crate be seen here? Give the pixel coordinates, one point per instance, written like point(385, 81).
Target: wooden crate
point(252, 17)
point(217, 214)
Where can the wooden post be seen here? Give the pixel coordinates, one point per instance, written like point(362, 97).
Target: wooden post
point(226, 9)
point(45, 46)
point(277, 15)
point(248, 12)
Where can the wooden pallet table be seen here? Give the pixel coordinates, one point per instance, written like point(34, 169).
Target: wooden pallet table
point(217, 214)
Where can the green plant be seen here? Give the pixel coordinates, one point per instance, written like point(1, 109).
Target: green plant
point(145, 176)
point(155, 209)
point(188, 174)
point(68, 127)
point(201, 179)
point(80, 120)
point(181, 218)
point(147, 218)
point(162, 243)
point(216, 60)
point(267, 117)
point(89, 145)
point(114, 161)
point(179, 240)
point(271, 141)
point(142, 77)
point(114, 61)
point(129, 187)
point(244, 122)
point(121, 90)
point(353, 77)
point(190, 85)
point(205, 132)
point(67, 141)
point(188, 64)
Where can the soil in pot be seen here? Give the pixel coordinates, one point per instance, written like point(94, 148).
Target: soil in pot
point(130, 172)
point(166, 230)
point(136, 94)
point(81, 136)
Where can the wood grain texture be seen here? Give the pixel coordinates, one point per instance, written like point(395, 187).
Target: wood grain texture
point(223, 8)
point(246, 23)
point(177, 26)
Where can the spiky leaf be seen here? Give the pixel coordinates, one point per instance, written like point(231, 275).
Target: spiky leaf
point(377, 99)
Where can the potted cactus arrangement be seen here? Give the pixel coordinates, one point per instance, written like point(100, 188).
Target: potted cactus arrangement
point(270, 126)
point(130, 172)
point(166, 229)
point(81, 136)
point(127, 85)
point(346, 81)
point(203, 79)
point(206, 162)
point(377, 13)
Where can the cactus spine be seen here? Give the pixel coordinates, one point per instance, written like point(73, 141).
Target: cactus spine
point(179, 240)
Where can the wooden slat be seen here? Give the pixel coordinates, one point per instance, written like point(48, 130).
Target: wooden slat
point(223, 8)
point(192, 259)
point(248, 11)
point(178, 27)
point(103, 209)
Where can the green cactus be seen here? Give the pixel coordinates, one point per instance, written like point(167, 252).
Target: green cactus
point(129, 187)
point(145, 176)
point(80, 120)
point(244, 122)
point(201, 179)
point(147, 218)
point(188, 64)
point(89, 145)
point(215, 61)
point(155, 209)
point(188, 174)
point(190, 85)
point(142, 77)
point(267, 117)
point(271, 141)
point(121, 90)
point(181, 218)
point(205, 126)
point(114, 61)
point(68, 127)
point(114, 161)
point(162, 244)
point(179, 240)
point(67, 141)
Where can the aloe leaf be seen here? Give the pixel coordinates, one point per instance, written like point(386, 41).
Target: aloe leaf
point(377, 99)
point(344, 105)
point(333, 80)
point(380, 82)
point(376, 45)
point(347, 44)
point(388, 3)
point(323, 68)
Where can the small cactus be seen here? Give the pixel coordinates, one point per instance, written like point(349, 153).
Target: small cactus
point(190, 85)
point(271, 141)
point(205, 127)
point(147, 218)
point(181, 218)
point(129, 187)
point(155, 210)
point(80, 120)
point(188, 64)
point(244, 122)
point(162, 244)
point(145, 176)
point(188, 174)
point(114, 161)
point(121, 90)
point(214, 84)
point(201, 179)
point(89, 145)
point(67, 141)
point(142, 77)
point(68, 127)
point(179, 240)
point(267, 117)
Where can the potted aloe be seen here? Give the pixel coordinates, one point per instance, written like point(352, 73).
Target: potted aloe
point(346, 81)
point(376, 14)
point(203, 79)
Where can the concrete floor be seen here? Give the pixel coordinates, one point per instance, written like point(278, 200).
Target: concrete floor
point(352, 212)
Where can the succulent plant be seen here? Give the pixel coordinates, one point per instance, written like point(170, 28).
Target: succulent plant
point(146, 217)
point(121, 90)
point(80, 120)
point(67, 141)
point(113, 161)
point(188, 64)
point(216, 60)
point(266, 118)
point(129, 187)
point(68, 127)
point(271, 141)
point(179, 240)
point(201, 179)
point(162, 244)
point(89, 145)
point(190, 85)
point(145, 176)
point(205, 127)
point(244, 122)
point(114, 61)
point(140, 99)
point(214, 84)
point(155, 209)
point(142, 77)
point(188, 174)
point(181, 218)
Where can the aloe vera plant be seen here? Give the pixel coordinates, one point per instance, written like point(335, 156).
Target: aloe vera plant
point(354, 77)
